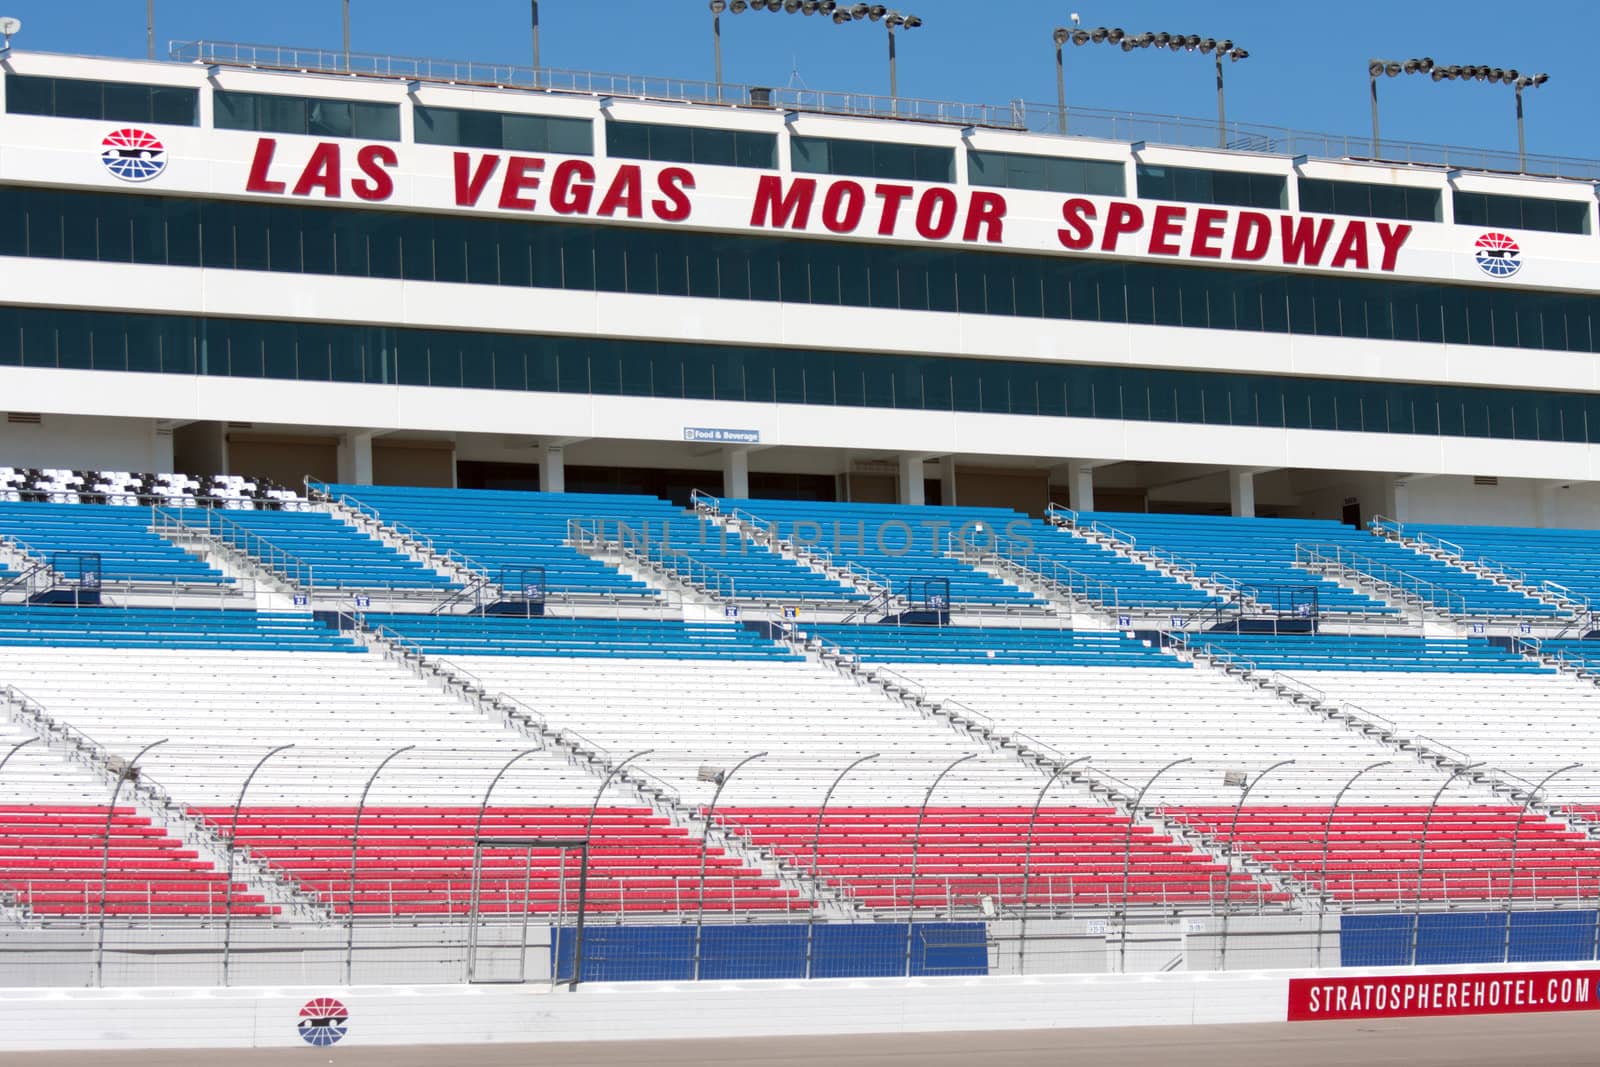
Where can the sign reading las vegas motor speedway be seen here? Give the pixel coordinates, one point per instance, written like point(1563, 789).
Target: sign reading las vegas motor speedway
point(826, 205)
point(1410, 996)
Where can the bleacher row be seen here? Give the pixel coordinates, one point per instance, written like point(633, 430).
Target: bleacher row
point(222, 688)
point(803, 553)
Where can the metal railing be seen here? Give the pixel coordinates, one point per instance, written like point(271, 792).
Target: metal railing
point(1100, 124)
point(1387, 580)
point(212, 525)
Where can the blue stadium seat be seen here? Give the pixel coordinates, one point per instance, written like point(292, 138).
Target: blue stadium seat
point(903, 545)
point(475, 635)
point(503, 532)
point(1329, 652)
point(1129, 584)
point(508, 530)
point(1261, 554)
point(120, 536)
point(157, 628)
point(970, 644)
point(337, 553)
point(1567, 558)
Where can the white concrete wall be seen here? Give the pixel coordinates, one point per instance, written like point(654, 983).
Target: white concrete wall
point(386, 1015)
point(78, 442)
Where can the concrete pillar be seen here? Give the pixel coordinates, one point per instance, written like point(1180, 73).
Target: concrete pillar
point(1080, 486)
point(736, 473)
point(161, 451)
point(1396, 500)
point(911, 490)
point(355, 458)
point(947, 481)
point(1242, 493)
point(552, 469)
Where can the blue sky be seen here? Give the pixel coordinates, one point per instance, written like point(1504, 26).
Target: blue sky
point(1307, 67)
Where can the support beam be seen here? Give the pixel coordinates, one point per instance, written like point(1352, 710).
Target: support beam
point(947, 481)
point(1080, 485)
point(552, 469)
point(911, 475)
point(736, 473)
point(355, 457)
point(1242, 492)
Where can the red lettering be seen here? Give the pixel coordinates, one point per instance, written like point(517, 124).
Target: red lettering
point(626, 193)
point(522, 178)
point(776, 206)
point(471, 179)
point(986, 213)
point(936, 214)
point(1305, 238)
point(1078, 235)
point(1352, 246)
point(259, 164)
point(572, 188)
point(1124, 218)
point(1393, 238)
point(674, 207)
point(378, 183)
point(892, 196)
point(843, 205)
point(1207, 229)
point(1253, 236)
point(322, 172)
point(1168, 224)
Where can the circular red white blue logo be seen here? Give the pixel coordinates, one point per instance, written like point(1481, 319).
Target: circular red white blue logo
point(133, 155)
point(323, 1021)
point(1499, 255)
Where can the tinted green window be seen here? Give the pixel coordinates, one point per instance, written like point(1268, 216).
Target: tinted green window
point(1049, 174)
point(1324, 197)
point(295, 238)
point(1196, 186)
point(691, 144)
point(310, 116)
point(71, 98)
point(175, 344)
point(494, 129)
point(872, 159)
point(1522, 212)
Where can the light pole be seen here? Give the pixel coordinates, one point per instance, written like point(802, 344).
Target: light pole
point(894, 20)
point(535, 23)
point(1220, 48)
point(1455, 72)
point(347, 36)
point(1525, 82)
point(789, 7)
point(150, 29)
point(1061, 36)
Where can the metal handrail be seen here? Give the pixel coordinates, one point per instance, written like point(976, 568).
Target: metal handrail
point(296, 571)
point(1124, 126)
point(1397, 581)
point(1073, 584)
point(1517, 578)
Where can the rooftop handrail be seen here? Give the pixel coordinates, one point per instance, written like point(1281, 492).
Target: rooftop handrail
point(1123, 126)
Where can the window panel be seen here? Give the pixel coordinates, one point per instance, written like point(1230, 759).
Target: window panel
point(691, 144)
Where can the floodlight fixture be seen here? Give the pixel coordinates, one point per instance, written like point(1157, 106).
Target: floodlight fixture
point(1218, 48)
point(839, 13)
point(9, 27)
point(1454, 72)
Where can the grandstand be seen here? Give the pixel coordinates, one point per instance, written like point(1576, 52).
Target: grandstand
point(642, 573)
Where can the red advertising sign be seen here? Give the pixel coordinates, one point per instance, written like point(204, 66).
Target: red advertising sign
point(1414, 996)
